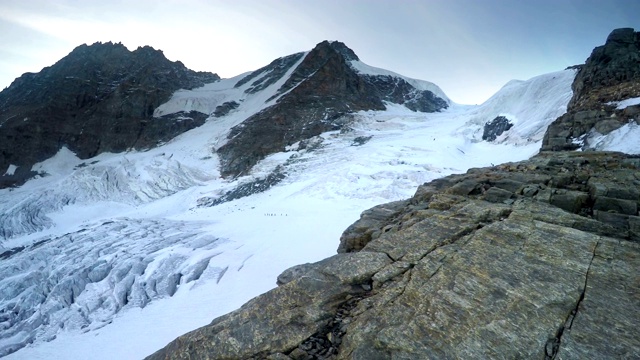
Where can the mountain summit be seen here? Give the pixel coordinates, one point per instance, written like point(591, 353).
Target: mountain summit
point(99, 98)
point(326, 85)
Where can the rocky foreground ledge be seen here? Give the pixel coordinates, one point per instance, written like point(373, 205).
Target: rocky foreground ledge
point(530, 260)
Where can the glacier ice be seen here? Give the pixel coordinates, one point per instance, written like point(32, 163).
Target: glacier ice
point(82, 279)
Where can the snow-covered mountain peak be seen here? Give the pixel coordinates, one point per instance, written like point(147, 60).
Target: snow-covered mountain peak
point(268, 84)
point(297, 97)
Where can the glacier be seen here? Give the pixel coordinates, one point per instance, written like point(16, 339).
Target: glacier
point(112, 257)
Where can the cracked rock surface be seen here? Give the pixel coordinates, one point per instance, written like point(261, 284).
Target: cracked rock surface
point(463, 271)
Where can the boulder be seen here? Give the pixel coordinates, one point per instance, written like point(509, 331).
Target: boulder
point(495, 128)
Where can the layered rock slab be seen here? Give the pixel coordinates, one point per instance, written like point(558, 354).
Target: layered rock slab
point(457, 272)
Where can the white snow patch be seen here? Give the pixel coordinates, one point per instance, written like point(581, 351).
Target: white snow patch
point(61, 163)
point(11, 170)
point(203, 99)
point(621, 105)
point(625, 139)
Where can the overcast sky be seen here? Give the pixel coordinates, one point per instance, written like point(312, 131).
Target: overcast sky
point(470, 48)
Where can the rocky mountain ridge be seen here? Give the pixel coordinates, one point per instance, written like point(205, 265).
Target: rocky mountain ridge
point(99, 98)
point(102, 98)
point(610, 74)
point(534, 259)
point(318, 97)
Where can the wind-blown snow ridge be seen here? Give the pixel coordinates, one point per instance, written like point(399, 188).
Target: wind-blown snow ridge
point(205, 99)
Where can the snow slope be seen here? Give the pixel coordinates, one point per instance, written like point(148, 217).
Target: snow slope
point(530, 105)
point(363, 68)
point(625, 139)
point(621, 105)
point(112, 257)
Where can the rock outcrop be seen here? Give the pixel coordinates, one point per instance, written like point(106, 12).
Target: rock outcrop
point(495, 128)
point(610, 74)
point(98, 98)
point(320, 91)
point(536, 259)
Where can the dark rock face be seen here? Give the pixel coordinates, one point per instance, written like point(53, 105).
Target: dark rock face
point(611, 73)
point(319, 93)
point(399, 91)
point(246, 189)
point(536, 259)
point(225, 108)
point(495, 128)
point(98, 98)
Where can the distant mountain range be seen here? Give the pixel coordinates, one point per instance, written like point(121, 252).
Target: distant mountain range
point(102, 98)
